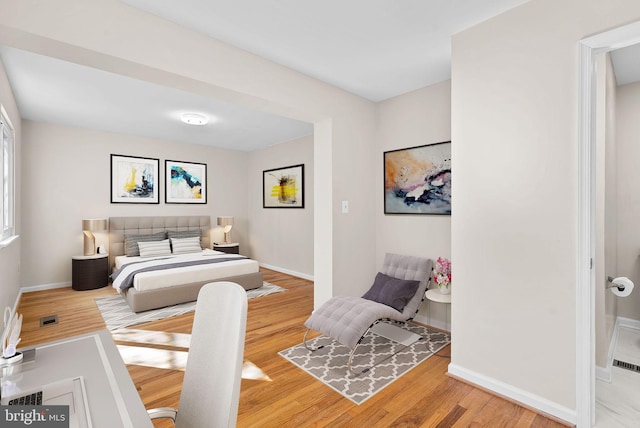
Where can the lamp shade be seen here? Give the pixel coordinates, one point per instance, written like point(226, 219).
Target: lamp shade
point(225, 221)
point(94, 224)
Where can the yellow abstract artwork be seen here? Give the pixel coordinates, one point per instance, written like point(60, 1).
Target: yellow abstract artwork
point(283, 187)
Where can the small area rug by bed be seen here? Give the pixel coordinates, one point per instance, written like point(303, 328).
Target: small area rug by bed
point(329, 364)
point(117, 314)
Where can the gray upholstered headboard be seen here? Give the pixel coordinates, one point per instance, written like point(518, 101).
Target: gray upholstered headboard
point(121, 226)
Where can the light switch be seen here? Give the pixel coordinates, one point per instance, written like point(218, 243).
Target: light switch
point(345, 207)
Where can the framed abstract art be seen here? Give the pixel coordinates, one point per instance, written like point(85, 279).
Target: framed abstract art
point(283, 187)
point(134, 180)
point(417, 180)
point(186, 182)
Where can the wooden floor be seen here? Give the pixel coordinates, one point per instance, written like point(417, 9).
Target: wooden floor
point(424, 397)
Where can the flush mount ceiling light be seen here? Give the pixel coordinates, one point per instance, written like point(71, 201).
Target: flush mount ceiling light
point(194, 118)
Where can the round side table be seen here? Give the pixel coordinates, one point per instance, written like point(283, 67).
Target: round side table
point(435, 295)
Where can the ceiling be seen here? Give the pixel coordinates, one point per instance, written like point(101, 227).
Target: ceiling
point(626, 64)
point(373, 48)
point(99, 100)
point(376, 49)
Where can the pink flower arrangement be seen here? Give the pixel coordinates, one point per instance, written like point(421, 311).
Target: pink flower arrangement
point(442, 273)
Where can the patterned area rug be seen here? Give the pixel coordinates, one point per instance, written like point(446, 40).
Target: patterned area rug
point(117, 314)
point(391, 359)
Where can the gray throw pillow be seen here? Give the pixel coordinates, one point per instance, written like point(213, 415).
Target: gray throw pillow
point(391, 291)
point(180, 234)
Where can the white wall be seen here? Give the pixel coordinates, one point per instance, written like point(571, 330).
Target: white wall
point(68, 170)
point(282, 238)
point(413, 119)
point(10, 255)
point(514, 221)
point(628, 132)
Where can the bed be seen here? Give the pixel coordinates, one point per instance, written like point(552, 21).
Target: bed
point(151, 289)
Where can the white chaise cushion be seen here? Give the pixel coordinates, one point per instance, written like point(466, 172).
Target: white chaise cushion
point(346, 318)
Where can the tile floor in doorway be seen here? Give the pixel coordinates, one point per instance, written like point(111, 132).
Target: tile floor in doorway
point(618, 402)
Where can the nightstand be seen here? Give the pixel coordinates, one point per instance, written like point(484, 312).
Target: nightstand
point(232, 248)
point(89, 272)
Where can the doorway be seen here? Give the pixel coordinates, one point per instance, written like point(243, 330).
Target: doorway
point(587, 281)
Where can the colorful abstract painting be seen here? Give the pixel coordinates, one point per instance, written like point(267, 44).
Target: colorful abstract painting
point(417, 180)
point(283, 187)
point(186, 182)
point(134, 180)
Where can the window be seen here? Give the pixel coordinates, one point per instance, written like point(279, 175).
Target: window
point(7, 178)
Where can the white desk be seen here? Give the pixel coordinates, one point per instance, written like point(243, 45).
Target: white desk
point(435, 295)
point(112, 396)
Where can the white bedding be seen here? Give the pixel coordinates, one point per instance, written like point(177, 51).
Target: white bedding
point(184, 275)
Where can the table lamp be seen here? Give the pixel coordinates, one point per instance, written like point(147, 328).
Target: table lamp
point(89, 226)
point(227, 223)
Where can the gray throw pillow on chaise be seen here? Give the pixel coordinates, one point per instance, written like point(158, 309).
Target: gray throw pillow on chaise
point(391, 291)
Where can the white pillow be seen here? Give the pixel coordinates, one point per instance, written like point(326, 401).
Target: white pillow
point(186, 245)
point(154, 248)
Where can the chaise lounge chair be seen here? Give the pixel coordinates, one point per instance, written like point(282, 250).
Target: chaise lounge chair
point(395, 296)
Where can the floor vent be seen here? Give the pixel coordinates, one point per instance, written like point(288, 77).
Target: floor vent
point(626, 366)
point(48, 320)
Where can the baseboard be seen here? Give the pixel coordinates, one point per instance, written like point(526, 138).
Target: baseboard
point(509, 392)
point(287, 271)
point(422, 319)
point(16, 303)
point(44, 287)
point(433, 322)
point(627, 322)
point(604, 373)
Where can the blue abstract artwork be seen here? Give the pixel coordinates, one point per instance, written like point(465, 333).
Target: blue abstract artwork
point(186, 182)
point(417, 180)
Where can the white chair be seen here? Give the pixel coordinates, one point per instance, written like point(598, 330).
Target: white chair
point(211, 388)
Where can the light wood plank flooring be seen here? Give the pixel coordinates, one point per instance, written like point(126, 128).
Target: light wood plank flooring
point(425, 397)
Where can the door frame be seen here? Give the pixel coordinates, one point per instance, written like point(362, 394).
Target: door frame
point(589, 48)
